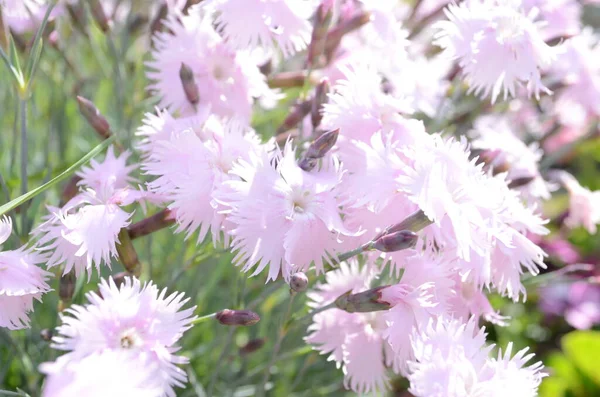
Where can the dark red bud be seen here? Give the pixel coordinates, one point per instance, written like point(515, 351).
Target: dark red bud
point(396, 241)
point(237, 317)
point(94, 117)
point(189, 84)
point(298, 282)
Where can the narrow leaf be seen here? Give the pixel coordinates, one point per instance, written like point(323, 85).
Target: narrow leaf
point(36, 48)
point(64, 175)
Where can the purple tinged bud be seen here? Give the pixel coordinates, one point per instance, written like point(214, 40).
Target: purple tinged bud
point(396, 241)
point(94, 117)
point(252, 346)
point(318, 101)
point(66, 287)
point(189, 84)
point(237, 317)
point(319, 34)
point(520, 182)
point(298, 282)
point(99, 15)
point(308, 163)
point(363, 302)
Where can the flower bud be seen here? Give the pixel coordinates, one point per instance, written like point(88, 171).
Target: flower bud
point(396, 241)
point(298, 282)
point(99, 15)
point(519, 182)
point(94, 117)
point(252, 346)
point(414, 223)
point(319, 34)
point(189, 84)
point(316, 114)
point(127, 254)
point(323, 144)
point(66, 287)
point(237, 317)
point(47, 334)
point(363, 302)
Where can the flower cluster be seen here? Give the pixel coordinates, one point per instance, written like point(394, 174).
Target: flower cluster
point(411, 198)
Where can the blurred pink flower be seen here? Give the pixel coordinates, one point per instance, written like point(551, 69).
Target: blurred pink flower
point(577, 302)
point(584, 205)
point(285, 22)
point(448, 356)
point(353, 340)
point(106, 373)
point(283, 216)
point(227, 81)
point(135, 318)
point(191, 164)
point(24, 16)
point(21, 281)
point(561, 17)
point(109, 176)
point(497, 46)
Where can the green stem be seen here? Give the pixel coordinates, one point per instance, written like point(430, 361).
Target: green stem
point(202, 319)
point(24, 156)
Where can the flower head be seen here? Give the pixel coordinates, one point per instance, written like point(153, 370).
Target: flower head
point(108, 176)
point(277, 210)
point(134, 317)
point(497, 46)
point(21, 281)
point(285, 22)
point(227, 81)
point(584, 205)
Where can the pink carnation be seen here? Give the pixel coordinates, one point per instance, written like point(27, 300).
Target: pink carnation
point(135, 318)
point(227, 81)
point(584, 205)
point(497, 46)
point(277, 211)
point(21, 281)
point(285, 22)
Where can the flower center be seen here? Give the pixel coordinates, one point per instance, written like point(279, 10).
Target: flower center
point(130, 339)
point(508, 28)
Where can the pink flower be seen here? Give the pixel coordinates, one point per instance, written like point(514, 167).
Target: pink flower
point(106, 373)
point(494, 133)
point(83, 234)
point(227, 81)
point(448, 357)
point(191, 163)
point(353, 340)
point(285, 22)
point(133, 318)
point(21, 281)
point(584, 205)
point(497, 46)
point(24, 16)
point(561, 17)
point(278, 211)
point(109, 176)
point(508, 376)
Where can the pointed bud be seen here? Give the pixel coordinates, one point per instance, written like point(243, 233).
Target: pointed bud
point(237, 317)
point(99, 15)
point(414, 223)
point(334, 37)
point(298, 282)
point(127, 254)
point(252, 346)
point(189, 84)
point(520, 182)
point(308, 163)
point(66, 287)
point(319, 100)
point(47, 334)
point(396, 241)
point(363, 302)
point(323, 144)
point(94, 117)
point(319, 34)
point(298, 112)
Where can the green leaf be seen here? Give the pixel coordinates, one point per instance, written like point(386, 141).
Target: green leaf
point(64, 175)
point(9, 65)
point(583, 348)
point(36, 48)
point(15, 63)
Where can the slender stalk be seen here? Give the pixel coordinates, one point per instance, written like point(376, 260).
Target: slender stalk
point(281, 334)
point(24, 156)
point(202, 319)
point(357, 251)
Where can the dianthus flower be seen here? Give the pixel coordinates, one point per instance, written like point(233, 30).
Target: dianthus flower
point(584, 205)
point(23, 16)
point(285, 22)
point(277, 210)
point(83, 234)
point(106, 373)
point(135, 318)
point(21, 281)
point(354, 340)
point(497, 46)
point(226, 81)
point(190, 163)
